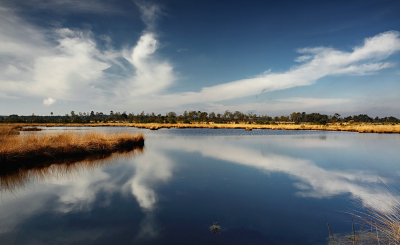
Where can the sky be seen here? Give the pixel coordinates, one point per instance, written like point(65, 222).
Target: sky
point(265, 57)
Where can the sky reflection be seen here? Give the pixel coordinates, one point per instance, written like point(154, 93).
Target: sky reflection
point(139, 181)
point(314, 181)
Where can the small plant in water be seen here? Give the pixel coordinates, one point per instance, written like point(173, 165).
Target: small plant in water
point(215, 228)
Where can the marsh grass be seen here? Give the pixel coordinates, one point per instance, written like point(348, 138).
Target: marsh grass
point(8, 131)
point(31, 129)
point(353, 127)
point(26, 150)
point(382, 222)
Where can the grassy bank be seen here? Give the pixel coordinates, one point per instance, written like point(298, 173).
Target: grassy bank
point(27, 150)
point(355, 127)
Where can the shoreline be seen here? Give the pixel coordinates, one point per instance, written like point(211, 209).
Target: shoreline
point(360, 128)
point(33, 149)
point(16, 177)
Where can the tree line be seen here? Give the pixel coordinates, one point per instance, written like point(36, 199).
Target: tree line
point(195, 117)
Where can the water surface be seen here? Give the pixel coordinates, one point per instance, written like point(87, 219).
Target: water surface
point(263, 186)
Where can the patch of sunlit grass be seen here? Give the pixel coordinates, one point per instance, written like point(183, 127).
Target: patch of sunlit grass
point(348, 127)
point(34, 146)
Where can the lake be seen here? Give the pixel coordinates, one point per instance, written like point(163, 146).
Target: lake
point(262, 186)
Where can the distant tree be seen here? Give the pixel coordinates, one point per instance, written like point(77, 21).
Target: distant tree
point(392, 119)
point(203, 116)
point(192, 115)
point(124, 115)
point(227, 114)
point(294, 117)
point(250, 114)
point(284, 118)
point(211, 116)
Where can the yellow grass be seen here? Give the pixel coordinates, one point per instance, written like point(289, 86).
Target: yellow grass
point(8, 131)
point(384, 227)
point(381, 223)
point(31, 129)
point(26, 149)
point(385, 221)
point(355, 127)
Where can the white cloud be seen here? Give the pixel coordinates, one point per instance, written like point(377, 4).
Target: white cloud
point(151, 75)
point(70, 67)
point(48, 101)
point(74, 68)
point(303, 58)
point(324, 62)
point(155, 168)
point(150, 13)
point(315, 182)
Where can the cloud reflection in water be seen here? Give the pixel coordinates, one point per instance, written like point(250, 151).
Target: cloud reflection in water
point(316, 181)
point(78, 186)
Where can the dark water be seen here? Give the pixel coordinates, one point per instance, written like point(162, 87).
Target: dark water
point(263, 186)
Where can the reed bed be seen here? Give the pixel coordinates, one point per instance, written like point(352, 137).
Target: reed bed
point(355, 127)
point(381, 223)
point(8, 131)
point(31, 129)
point(24, 150)
point(385, 221)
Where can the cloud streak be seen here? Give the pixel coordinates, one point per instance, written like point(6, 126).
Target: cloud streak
point(321, 62)
point(67, 65)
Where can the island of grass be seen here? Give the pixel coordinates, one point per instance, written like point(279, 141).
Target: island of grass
point(30, 149)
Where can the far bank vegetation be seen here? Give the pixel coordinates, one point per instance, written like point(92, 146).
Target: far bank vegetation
point(197, 119)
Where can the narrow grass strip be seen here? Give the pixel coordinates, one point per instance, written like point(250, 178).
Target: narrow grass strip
point(347, 127)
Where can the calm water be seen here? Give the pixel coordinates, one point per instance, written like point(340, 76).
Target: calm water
point(263, 186)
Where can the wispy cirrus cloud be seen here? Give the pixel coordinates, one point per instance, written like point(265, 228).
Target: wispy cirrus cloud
point(322, 62)
point(67, 65)
point(150, 13)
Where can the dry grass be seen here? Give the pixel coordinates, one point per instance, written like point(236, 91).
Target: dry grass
point(31, 129)
point(385, 221)
point(355, 127)
point(22, 150)
point(8, 131)
point(383, 225)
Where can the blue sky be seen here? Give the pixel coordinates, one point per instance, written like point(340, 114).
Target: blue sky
point(268, 57)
